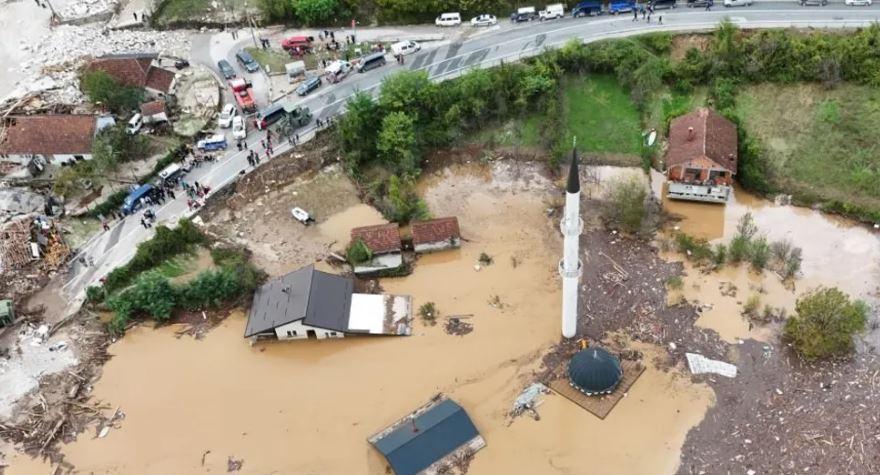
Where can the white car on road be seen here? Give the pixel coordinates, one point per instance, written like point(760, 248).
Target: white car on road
point(239, 129)
point(852, 3)
point(484, 20)
point(226, 116)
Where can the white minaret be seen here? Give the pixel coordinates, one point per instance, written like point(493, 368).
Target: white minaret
point(570, 266)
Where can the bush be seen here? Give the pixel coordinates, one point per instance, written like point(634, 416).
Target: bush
point(317, 12)
point(825, 323)
point(102, 88)
point(626, 204)
point(95, 294)
point(358, 252)
point(429, 313)
point(211, 289)
point(402, 204)
point(112, 203)
point(675, 283)
point(698, 250)
point(759, 253)
point(739, 249)
point(752, 305)
point(719, 256)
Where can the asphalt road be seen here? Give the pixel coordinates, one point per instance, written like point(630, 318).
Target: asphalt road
point(486, 48)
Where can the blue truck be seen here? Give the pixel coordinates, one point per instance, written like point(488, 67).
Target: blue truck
point(587, 8)
point(621, 6)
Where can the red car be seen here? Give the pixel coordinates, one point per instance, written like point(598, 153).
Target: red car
point(299, 43)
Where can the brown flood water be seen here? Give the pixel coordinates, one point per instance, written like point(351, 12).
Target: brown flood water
point(836, 253)
point(308, 407)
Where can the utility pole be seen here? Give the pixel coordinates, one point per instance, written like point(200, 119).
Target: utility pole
point(54, 13)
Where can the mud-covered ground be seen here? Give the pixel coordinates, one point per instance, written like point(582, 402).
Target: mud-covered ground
point(778, 416)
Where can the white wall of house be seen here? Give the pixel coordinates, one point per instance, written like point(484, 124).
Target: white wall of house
point(437, 245)
point(379, 263)
point(298, 330)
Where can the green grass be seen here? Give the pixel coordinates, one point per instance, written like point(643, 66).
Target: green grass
point(272, 60)
point(600, 114)
point(513, 133)
point(177, 266)
point(667, 104)
point(820, 145)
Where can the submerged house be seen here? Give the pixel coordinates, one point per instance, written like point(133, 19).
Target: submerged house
point(383, 241)
point(308, 303)
point(429, 438)
point(702, 157)
point(436, 235)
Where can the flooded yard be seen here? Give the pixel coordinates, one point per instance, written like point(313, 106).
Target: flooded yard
point(307, 407)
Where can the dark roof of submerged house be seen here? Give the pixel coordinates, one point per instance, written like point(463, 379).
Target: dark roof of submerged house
point(441, 430)
point(594, 371)
point(323, 300)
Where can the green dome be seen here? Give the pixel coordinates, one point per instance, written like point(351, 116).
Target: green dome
point(594, 371)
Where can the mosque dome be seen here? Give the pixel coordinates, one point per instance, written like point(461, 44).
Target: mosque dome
point(594, 371)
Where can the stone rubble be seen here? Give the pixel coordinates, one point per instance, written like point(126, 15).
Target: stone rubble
point(55, 59)
point(85, 8)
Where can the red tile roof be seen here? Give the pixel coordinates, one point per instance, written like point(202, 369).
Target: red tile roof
point(380, 238)
point(49, 134)
point(713, 137)
point(152, 108)
point(159, 79)
point(134, 70)
point(435, 230)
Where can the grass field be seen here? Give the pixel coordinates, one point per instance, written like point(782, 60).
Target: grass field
point(271, 60)
point(820, 145)
point(600, 114)
point(188, 10)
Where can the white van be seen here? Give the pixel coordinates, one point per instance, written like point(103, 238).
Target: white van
point(448, 19)
point(135, 123)
point(551, 12)
point(337, 70)
point(405, 48)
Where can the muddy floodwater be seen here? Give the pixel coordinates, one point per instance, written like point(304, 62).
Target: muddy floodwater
point(836, 253)
point(307, 407)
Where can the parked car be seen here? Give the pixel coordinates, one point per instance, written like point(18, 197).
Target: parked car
point(371, 61)
point(213, 142)
point(852, 3)
point(269, 116)
point(814, 3)
point(337, 70)
point(698, 3)
point(308, 86)
point(302, 43)
point(661, 4)
point(587, 8)
point(226, 69)
point(247, 61)
point(405, 48)
point(524, 14)
point(181, 63)
point(448, 19)
point(135, 124)
point(552, 12)
point(484, 20)
point(239, 129)
point(226, 115)
point(739, 3)
point(621, 6)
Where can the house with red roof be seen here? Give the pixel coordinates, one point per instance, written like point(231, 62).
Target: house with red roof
point(383, 241)
point(137, 70)
point(701, 159)
point(35, 140)
point(436, 235)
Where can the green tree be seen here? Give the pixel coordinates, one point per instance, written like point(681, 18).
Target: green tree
point(626, 204)
point(825, 324)
point(317, 12)
point(358, 252)
point(153, 294)
point(397, 144)
point(276, 10)
point(101, 87)
point(357, 129)
point(403, 204)
point(411, 92)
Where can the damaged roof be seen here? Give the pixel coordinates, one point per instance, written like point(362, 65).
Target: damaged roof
point(152, 108)
point(323, 300)
point(134, 70)
point(435, 230)
point(49, 134)
point(381, 238)
point(702, 133)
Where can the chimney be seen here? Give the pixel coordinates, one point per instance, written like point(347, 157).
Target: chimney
point(690, 133)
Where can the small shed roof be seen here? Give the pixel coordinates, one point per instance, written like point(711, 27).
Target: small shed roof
point(702, 133)
point(152, 108)
point(380, 238)
point(442, 429)
point(435, 230)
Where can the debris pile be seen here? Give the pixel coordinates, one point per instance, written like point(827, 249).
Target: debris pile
point(527, 401)
point(455, 325)
point(55, 59)
point(30, 238)
point(84, 9)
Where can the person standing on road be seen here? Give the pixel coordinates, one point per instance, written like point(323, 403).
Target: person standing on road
point(144, 223)
point(635, 14)
point(171, 194)
point(660, 19)
point(709, 5)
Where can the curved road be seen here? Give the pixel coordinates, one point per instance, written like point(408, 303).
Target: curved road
point(485, 48)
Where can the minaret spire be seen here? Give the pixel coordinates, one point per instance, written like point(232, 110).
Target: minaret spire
point(570, 266)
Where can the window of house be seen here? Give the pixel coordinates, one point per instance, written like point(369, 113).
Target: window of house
point(294, 333)
point(332, 333)
point(78, 157)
